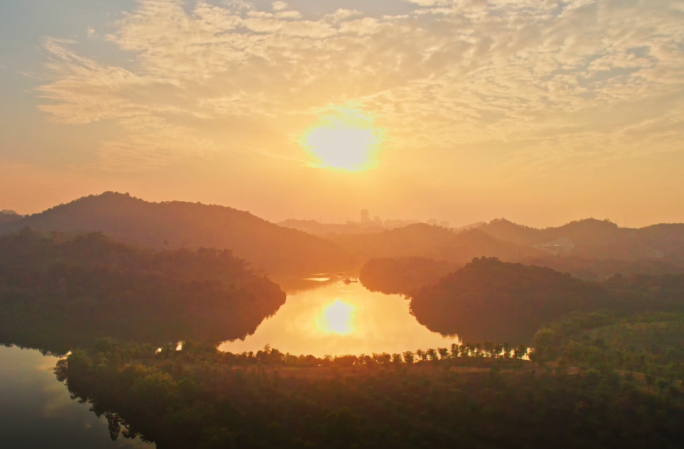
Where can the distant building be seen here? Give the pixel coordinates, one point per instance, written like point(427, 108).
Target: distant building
point(444, 224)
point(365, 216)
point(378, 221)
point(432, 222)
point(557, 247)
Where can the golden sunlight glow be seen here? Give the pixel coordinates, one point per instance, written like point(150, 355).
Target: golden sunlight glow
point(346, 139)
point(337, 318)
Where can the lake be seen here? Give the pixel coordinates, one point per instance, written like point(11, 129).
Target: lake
point(335, 318)
point(338, 319)
point(37, 412)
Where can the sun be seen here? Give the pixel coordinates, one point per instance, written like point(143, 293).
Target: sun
point(345, 140)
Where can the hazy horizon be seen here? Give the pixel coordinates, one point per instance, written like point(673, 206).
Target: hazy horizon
point(340, 219)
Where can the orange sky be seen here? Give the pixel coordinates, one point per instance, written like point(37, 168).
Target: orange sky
point(538, 111)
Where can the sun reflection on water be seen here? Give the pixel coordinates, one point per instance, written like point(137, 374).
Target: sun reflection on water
point(336, 318)
point(339, 319)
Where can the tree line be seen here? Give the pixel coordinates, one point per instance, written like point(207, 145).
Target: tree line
point(58, 292)
point(195, 396)
point(496, 300)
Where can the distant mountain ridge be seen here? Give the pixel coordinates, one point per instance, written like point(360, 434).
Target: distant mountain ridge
point(597, 238)
point(177, 224)
point(326, 229)
point(591, 249)
point(422, 240)
point(8, 216)
point(582, 232)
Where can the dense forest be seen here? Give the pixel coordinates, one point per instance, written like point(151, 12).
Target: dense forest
point(470, 396)
point(651, 344)
point(491, 299)
point(56, 293)
point(176, 225)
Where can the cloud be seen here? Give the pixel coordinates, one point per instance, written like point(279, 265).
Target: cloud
point(539, 80)
point(279, 6)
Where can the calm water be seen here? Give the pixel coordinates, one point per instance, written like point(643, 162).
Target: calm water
point(340, 319)
point(36, 411)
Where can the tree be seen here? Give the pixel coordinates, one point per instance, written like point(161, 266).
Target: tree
point(342, 428)
point(520, 352)
point(648, 377)
point(662, 385)
point(507, 350)
point(396, 359)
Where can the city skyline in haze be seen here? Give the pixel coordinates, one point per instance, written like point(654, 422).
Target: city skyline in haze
point(541, 112)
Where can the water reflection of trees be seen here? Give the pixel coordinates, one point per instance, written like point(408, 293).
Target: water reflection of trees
point(493, 300)
point(402, 275)
point(56, 294)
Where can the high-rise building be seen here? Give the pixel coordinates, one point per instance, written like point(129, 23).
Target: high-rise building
point(432, 222)
point(365, 216)
point(444, 224)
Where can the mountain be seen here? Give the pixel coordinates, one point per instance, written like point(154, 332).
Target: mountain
point(176, 224)
point(57, 292)
point(492, 300)
point(413, 240)
point(596, 238)
point(582, 232)
point(667, 238)
point(466, 245)
point(8, 216)
point(422, 240)
point(326, 229)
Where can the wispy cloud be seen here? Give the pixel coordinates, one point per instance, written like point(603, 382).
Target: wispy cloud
point(556, 81)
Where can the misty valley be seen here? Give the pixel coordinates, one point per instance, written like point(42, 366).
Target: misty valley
point(127, 323)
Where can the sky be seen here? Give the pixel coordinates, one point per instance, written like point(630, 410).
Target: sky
point(541, 111)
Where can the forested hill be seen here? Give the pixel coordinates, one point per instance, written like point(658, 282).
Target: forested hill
point(581, 232)
point(176, 224)
point(597, 238)
point(8, 216)
point(422, 240)
point(498, 301)
point(56, 294)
